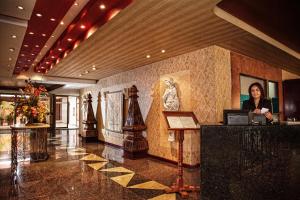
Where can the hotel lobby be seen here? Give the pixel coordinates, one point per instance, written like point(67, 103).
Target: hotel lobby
point(149, 99)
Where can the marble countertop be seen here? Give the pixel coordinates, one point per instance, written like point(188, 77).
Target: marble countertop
point(33, 126)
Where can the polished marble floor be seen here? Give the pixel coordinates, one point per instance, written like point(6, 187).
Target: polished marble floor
point(77, 170)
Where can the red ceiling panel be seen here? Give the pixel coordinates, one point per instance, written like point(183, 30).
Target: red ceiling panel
point(90, 17)
point(42, 28)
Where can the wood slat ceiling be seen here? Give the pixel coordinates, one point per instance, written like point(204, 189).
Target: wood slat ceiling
point(257, 48)
point(147, 27)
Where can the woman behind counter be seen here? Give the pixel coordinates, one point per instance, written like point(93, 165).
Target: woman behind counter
point(257, 101)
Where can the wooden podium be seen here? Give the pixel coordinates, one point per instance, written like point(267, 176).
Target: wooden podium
point(179, 122)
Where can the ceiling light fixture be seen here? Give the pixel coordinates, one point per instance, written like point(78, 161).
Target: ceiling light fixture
point(102, 7)
point(52, 19)
point(69, 39)
point(82, 26)
point(47, 63)
point(22, 54)
point(13, 36)
point(20, 7)
point(148, 56)
point(52, 36)
point(86, 71)
point(37, 46)
point(31, 33)
point(80, 74)
point(53, 57)
point(9, 59)
point(43, 34)
point(60, 49)
point(25, 45)
point(76, 4)
point(32, 54)
point(45, 46)
point(38, 14)
point(11, 49)
point(94, 68)
point(62, 23)
point(163, 51)
point(29, 60)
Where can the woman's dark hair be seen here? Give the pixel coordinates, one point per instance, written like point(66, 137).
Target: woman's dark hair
point(259, 87)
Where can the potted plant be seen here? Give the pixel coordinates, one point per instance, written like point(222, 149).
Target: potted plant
point(10, 119)
point(1, 120)
point(29, 104)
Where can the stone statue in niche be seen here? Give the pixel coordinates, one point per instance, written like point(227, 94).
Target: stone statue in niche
point(171, 102)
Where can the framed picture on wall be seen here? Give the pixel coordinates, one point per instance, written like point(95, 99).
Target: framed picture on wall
point(114, 111)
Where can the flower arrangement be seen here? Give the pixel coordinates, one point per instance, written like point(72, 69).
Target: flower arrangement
point(29, 104)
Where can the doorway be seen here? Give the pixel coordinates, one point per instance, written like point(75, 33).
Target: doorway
point(66, 111)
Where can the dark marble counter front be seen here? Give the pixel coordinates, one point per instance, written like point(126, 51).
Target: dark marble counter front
point(250, 162)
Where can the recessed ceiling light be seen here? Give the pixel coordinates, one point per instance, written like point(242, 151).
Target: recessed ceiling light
point(25, 45)
point(13, 36)
point(52, 19)
point(148, 56)
point(20, 7)
point(94, 68)
point(38, 71)
point(9, 59)
point(38, 14)
point(102, 7)
point(47, 63)
point(80, 74)
point(32, 54)
point(45, 46)
point(62, 23)
point(69, 39)
point(31, 33)
point(12, 49)
point(53, 57)
point(37, 46)
point(22, 54)
point(76, 4)
point(60, 49)
point(29, 60)
point(163, 51)
point(43, 34)
point(82, 26)
point(52, 36)
point(86, 71)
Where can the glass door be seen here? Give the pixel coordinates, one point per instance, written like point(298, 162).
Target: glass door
point(73, 112)
point(61, 112)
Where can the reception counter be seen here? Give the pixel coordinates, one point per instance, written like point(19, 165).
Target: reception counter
point(250, 162)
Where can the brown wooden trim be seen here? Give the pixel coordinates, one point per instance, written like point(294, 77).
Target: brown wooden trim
point(110, 144)
point(155, 157)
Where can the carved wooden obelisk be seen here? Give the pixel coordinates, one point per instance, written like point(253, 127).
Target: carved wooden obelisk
point(135, 145)
point(89, 131)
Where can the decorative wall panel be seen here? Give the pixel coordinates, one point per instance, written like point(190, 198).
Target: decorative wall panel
point(203, 78)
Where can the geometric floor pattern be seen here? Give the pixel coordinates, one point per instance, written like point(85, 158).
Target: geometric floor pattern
point(129, 179)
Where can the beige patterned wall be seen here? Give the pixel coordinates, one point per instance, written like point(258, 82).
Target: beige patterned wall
point(203, 81)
